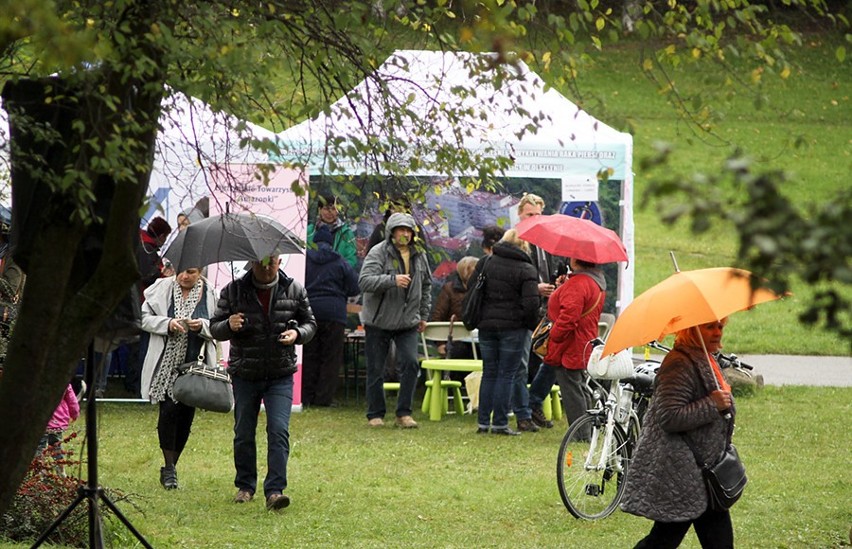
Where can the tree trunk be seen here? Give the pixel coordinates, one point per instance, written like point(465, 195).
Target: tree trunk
point(72, 287)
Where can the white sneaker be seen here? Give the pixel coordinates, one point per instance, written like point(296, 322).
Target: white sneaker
point(82, 392)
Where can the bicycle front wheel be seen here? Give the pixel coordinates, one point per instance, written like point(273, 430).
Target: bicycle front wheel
point(590, 473)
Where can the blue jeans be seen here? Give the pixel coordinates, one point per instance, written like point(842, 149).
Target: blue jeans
point(103, 362)
point(520, 394)
point(541, 385)
point(277, 397)
point(376, 344)
point(501, 357)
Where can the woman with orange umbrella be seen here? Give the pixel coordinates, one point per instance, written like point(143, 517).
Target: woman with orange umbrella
point(691, 416)
point(691, 401)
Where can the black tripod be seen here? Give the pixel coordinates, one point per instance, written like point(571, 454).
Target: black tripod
point(91, 491)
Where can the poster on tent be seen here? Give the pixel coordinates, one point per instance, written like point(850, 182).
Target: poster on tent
point(238, 190)
point(452, 217)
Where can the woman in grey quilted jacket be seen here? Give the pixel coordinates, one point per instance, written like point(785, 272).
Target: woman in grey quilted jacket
point(665, 484)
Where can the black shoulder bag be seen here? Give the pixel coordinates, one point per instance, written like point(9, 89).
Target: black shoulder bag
point(725, 479)
point(472, 304)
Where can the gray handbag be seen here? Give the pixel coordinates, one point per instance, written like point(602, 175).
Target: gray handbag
point(202, 386)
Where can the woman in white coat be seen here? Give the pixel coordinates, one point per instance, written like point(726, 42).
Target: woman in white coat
point(176, 313)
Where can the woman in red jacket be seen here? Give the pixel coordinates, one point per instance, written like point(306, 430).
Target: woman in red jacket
point(575, 308)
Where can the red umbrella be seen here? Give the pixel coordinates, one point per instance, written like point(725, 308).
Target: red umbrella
point(568, 236)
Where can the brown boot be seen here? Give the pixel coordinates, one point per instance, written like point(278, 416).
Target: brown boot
point(243, 496)
point(527, 425)
point(406, 422)
point(539, 419)
point(277, 501)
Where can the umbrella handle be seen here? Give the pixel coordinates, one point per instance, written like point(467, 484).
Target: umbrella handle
point(727, 413)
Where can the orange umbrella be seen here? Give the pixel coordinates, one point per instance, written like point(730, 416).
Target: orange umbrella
point(685, 299)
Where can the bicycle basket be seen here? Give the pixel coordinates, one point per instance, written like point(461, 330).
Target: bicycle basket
point(617, 366)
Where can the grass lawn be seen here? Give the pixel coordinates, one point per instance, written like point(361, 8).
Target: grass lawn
point(444, 486)
point(813, 106)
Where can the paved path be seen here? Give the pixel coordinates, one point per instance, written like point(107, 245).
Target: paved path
point(830, 371)
point(827, 371)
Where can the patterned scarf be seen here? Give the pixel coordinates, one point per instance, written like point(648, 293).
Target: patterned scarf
point(174, 354)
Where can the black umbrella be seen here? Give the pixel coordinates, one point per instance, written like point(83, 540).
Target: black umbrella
point(231, 237)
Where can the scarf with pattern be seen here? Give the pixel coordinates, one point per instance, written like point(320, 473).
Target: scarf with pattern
point(174, 354)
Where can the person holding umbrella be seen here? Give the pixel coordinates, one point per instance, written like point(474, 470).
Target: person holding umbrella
point(665, 482)
point(264, 315)
point(575, 308)
point(691, 415)
point(590, 245)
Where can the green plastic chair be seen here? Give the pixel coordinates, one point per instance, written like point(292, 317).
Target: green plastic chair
point(439, 332)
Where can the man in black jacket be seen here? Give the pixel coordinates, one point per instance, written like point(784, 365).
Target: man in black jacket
point(263, 314)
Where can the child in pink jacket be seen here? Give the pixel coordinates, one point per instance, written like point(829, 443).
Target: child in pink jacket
point(67, 411)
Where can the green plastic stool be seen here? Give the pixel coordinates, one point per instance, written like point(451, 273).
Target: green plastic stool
point(552, 405)
point(446, 385)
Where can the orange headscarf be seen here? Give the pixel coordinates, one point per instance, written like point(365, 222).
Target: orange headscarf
point(723, 385)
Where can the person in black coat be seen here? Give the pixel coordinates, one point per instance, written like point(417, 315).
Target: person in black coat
point(509, 313)
point(330, 279)
point(264, 315)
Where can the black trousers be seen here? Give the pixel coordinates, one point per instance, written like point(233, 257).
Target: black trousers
point(174, 424)
point(323, 360)
point(713, 528)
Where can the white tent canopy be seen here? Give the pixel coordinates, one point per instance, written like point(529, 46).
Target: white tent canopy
point(193, 141)
point(566, 139)
point(494, 110)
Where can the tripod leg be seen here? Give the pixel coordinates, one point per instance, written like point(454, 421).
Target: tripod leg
point(124, 520)
point(96, 530)
point(80, 497)
point(92, 490)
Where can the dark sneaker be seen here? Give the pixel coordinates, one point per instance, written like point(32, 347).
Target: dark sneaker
point(168, 477)
point(539, 419)
point(507, 431)
point(277, 501)
point(243, 496)
point(526, 425)
point(482, 430)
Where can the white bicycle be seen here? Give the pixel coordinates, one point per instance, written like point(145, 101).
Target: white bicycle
point(595, 454)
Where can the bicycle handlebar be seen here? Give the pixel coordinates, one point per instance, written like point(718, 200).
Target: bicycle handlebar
point(725, 361)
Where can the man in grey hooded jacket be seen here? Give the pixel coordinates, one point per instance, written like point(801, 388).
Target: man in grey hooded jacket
point(396, 284)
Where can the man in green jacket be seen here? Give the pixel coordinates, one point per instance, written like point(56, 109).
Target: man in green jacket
point(329, 216)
